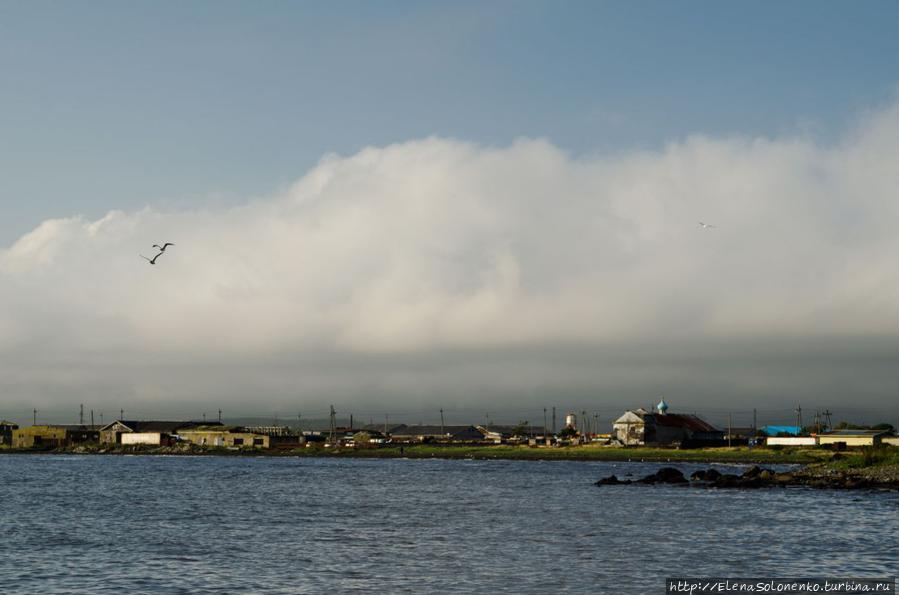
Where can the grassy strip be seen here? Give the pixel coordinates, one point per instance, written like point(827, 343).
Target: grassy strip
point(759, 455)
point(579, 453)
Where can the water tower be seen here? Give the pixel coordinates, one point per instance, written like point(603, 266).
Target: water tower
point(571, 421)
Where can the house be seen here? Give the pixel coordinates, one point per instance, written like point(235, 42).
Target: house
point(429, 433)
point(639, 427)
point(853, 438)
point(39, 437)
point(153, 432)
point(241, 437)
point(6, 428)
point(47, 436)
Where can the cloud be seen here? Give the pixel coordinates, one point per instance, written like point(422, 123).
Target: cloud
point(437, 246)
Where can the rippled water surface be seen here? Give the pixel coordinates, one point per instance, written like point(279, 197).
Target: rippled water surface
point(285, 525)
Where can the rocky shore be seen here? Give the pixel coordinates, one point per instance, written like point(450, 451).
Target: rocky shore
point(758, 477)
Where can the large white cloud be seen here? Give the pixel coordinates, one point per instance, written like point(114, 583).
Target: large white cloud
point(438, 245)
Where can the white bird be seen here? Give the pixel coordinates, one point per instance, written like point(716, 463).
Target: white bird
point(163, 247)
point(153, 261)
point(706, 225)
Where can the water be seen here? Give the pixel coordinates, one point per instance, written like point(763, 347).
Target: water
point(287, 525)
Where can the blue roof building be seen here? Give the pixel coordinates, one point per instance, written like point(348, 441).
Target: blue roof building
point(778, 430)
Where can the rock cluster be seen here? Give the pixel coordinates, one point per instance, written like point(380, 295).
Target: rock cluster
point(754, 477)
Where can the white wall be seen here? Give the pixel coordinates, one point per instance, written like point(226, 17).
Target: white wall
point(142, 438)
point(791, 441)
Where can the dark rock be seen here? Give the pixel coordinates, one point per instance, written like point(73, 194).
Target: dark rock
point(611, 481)
point(705, 475)
point(669, 475)
point(753, 471)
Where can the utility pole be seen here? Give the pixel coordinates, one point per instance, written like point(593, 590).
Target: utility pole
point(730, 425)
point(121, 414)
point(81, 415)
point(34, 423)
point(442, 428)
point(204, 418)
point(554, 420)
point(595, 423)
point(828, 423)
point(92, 419)
point(299, 429)
point(754, 422)
point(385, 425)
point(333, 426)
point(220, 416)
point(545, 437)
point(101, 418)
point(351, 421)
point(799, 418)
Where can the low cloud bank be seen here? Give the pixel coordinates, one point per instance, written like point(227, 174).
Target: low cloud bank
point(447, 252)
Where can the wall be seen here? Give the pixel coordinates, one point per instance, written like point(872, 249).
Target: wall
point(154, 438)
point(790, 441)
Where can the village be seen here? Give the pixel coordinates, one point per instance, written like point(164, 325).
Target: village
point(633, 429)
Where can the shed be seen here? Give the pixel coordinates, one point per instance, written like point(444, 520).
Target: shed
point(853, 437)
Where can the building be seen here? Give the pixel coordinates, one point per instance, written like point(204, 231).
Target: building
point(39, 437)
point(781, 430)
point(435, 433)
point(6, 429)
point(241, 437)
point(791, 441)
point(640, 427)
point(853, 438)
point(112, 433)
point(47, 436)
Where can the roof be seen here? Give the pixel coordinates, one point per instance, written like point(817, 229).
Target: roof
point(163, 427)
point(856, 433)
point(775, 430)
point(76, 428)
point(681, 420)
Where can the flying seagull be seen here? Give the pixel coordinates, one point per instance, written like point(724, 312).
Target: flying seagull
point(163, 247)
point(153, 261)
point(706, 225)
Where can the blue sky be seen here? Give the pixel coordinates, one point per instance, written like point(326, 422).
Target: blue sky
point(111, 105)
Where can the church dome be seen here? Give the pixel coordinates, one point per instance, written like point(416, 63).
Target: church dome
point(662, 406)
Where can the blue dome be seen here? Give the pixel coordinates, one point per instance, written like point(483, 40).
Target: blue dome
point(662, 406)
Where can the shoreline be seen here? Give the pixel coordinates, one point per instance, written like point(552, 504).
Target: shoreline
point(724, 455)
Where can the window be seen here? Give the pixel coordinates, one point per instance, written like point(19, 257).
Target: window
point(238, 442)
point(258, 441)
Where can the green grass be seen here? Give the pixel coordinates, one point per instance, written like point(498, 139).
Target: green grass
point(866, 458)
point(577, 453)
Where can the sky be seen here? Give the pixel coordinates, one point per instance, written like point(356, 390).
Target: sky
point(489, 207)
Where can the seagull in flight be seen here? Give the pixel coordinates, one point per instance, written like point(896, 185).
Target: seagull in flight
point(706, 225)
point(163, 247)
point(153, 260)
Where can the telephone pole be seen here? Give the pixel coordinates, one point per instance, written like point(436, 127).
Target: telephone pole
point(754, 422)
point(121, 414)
point(442, 430)
point(34, 423)
point(799, 418)
point(92, 419)
point(333, 426)
point(554, 420)
point(81, 415)
point(827, 421)
point(730, 425)
point(545, 438)
point(385, 425)
point(220, 416)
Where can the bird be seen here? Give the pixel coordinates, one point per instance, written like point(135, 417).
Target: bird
point(153, 260)
point(163, 247)
point(706, 225)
